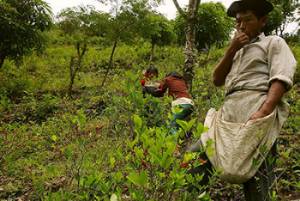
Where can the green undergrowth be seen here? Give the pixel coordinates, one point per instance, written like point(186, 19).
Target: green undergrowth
point(102, 143)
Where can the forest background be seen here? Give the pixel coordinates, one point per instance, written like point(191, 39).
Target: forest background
point(73, 125)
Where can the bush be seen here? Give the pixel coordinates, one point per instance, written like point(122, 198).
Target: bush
point(39, 109)
point(13, 83)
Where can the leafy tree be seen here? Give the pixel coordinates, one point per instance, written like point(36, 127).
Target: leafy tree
point(213, 26)
point(21, 25)
point(157, 29)
point(98, 23)
point(275, 19)
point(83, 20)
point(126, 15)
point(120, 30)
point(284, 11)
point(69, 21)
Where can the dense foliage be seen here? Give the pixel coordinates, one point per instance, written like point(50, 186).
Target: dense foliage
point(284, 9)
point(85, 20)
point(21, 26)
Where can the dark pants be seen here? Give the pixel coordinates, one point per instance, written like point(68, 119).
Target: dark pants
point(258, 188)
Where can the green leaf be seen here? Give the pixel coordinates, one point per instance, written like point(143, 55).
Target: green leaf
point(182, 124)
point(189, 156)
point(113, 197)
point(171, 146)
point(190, 124)
point(210, 147)
point(137, 121)
point(298, 185)
point(68, 152)
point(199, 130)
point(139, 179)
point(139, 152)
point(112, 161)
point(166, 161)
point(118, 176)
point(54, 138)
point(81, 119)
point(155, 155)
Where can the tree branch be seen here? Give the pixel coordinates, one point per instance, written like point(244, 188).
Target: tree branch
point(197, 6)
point(179, 9)
point(193, 8)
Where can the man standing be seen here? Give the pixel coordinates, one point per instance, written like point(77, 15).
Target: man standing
point(256, 70)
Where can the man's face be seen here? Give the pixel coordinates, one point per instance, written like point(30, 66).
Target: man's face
point(249, 24)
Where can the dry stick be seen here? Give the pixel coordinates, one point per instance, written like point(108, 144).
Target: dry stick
point(110, 63)
point(71, 75)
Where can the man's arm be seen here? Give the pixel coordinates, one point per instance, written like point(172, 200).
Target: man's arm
point(154, 91)
point(223, 68)
point(274, 96)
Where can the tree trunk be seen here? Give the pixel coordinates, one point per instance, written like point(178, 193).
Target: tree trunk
point(190, 55)
point(190, 52)
point(2, 58)
point(110, 63)
point(282, 28)
point(276, 31)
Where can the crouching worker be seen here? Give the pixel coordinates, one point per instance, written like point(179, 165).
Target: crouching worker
point(182, 104)
point(256, 70)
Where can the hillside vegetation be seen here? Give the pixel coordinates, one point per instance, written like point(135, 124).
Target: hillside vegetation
point(99, 144)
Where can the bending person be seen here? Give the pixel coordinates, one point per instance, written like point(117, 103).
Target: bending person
point(177, 88)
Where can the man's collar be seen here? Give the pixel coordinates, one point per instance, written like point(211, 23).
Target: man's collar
point(260, 37)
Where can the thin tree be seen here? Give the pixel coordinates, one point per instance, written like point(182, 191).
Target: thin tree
point(75, 64)
point(120, 25)
point(157, 29)
point(125, 15)
point(283, 14)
